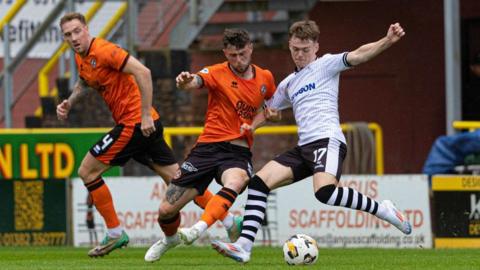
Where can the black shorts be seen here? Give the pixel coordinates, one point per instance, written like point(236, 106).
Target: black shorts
point(90, 224)
point(125, 142)
point(209, 160)
point(324, 155)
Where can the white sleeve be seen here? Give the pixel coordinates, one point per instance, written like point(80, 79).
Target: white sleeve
point(280, 100)
point(335, 63)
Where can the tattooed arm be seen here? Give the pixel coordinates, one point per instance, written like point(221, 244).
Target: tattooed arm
point(79, 91)
point(188, 81)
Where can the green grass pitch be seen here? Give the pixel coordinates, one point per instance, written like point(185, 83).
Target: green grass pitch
point(263, 258)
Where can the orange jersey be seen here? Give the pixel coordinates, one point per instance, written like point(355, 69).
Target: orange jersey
point(233, 101)
point(101, 69)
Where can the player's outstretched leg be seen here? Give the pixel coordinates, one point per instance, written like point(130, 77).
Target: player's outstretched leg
point(350, 198)
point(109, 244)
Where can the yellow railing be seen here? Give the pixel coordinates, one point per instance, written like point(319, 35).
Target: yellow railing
point(11, 13)
point(43, 82)
point(374, 127)
point(470, 125)
point(177, 131)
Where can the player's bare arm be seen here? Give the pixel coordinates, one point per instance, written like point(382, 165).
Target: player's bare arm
point(188, 81)
point(144, 80)
point(259, 120)
point(368, 51)
point(273, 115)
point(80, 89)
point(263, 115)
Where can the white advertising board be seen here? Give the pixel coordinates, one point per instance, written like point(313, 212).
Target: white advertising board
point(34, 12)
point(341, 227)
point(294, 209)
point(136, 201)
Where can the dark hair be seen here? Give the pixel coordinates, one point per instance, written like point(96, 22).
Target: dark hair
point(72, 16)
point(238, 38)
point(306, 29)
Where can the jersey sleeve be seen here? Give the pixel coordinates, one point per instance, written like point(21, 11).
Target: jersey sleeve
point(335, 63)
point(208, 77)
point(280, 100)
point(114, 56)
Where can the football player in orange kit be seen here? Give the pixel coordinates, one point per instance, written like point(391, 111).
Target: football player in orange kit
point(126, 86)
point(237, 90)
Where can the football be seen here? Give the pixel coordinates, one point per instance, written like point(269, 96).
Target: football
point(300, 249)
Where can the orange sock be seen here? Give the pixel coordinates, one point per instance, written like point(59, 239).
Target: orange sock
point(102, 199)
point(170, 226)
point(217, 207)
point(202, 200)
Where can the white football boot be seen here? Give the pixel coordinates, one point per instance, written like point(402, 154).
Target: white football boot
point(160, 247)
point(231, 250)
point(396, 218)
point(188, 235)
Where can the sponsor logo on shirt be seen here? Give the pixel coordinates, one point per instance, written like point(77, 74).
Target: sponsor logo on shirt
point(263, 89)
point(304, 89)
point(245, 110)
point(234, 84)
point(205, 71)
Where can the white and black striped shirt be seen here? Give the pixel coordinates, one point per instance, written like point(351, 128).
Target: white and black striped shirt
point(312, 92)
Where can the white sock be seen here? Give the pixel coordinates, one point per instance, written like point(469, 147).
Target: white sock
point(228, 221)
point(115, 232)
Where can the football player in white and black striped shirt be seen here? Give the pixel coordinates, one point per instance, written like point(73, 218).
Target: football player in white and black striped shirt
point(312, 92)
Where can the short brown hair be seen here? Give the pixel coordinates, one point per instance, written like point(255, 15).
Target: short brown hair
point(306, 29)
point(73, 16)
point(236, 37)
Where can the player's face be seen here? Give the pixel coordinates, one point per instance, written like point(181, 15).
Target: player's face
point(304, 51)
point(76, 35)
point(239, 59)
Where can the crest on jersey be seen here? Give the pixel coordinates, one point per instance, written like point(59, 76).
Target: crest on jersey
point(263, 89)
point(205, 70)
point(93, 63)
